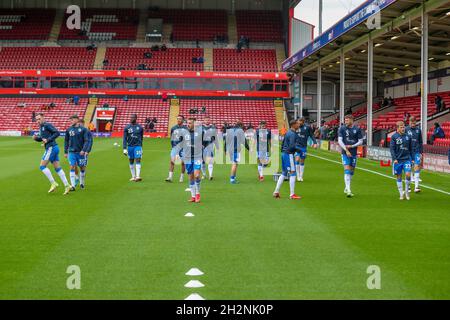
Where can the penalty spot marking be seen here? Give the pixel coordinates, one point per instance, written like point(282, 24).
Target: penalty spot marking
point(189, 215)
point(381, 174)
point(194, 296)
point(194, 272)
point(194, 284)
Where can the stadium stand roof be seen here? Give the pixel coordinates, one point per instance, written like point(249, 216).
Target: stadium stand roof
point(397, 43)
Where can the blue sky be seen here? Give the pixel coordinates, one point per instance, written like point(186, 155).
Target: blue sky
point(333, 11)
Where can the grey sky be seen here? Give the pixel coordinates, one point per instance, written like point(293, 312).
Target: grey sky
point(333, 11)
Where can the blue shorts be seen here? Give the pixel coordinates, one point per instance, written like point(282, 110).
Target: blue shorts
point(302, 153)
point(192, 166)
point(235, 157)
point(402, 166)
point(51, 154)
point(349, 161)
point(173, 153)
point(417, 159)
point(287, 163)
point(134, 152)
point(75, 159)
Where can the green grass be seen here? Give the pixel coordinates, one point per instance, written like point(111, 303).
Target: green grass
point(132, 241)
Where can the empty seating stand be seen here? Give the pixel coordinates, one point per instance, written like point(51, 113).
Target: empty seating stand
point(104, 25)
point(16, 118)
point(221, 111)
point(144, 108)
point(192, 25)
point(260, 26)
point(46, 58)
point(20, 24)
point(171, 59)
point(248, 60)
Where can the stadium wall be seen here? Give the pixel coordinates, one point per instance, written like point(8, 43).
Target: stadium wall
point(439, 81)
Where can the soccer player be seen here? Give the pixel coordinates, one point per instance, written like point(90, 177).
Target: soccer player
point(235, 138)
point(91, 142)
point(263, 145)
point(415, 133)
point(190, 140)
point(174, 138)
point(76, 150)
point(349, 138)
point(211, 140)
point(133, 135)
point(304, 132)
point(48, 134)
point(289, 147)
point(402, 155)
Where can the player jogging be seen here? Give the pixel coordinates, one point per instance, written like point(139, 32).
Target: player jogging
point(349, 138)
point(174, 137)
point(304, 132)
point(289, 147)
point(48, 134)
point(402, 156)
point(211, 140)
point(91, 142)
point(263, 145)
point(133, 135)
point(235, 138)
point(415, 133)
point(190, 140)
point(76, 150)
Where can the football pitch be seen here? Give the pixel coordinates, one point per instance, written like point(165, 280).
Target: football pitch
point(133, 241)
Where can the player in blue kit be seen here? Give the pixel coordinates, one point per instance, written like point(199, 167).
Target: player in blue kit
point(133, 136)
point(289, 147)
point(176, 153)
point(349, 138)
point(210, 141)
point(263, 145)
point(235, 139)
point(48, 134)
point(76, 150)
point(304, 132)
point(415, 133)
point(190, 141)
point(402, 158)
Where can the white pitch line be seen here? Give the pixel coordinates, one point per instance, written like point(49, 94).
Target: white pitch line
point(380, 174)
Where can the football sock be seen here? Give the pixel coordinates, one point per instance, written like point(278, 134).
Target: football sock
point(138, 169)
point(47, 173)
point(302, 170)
point(170, 174)
point(260, 170)
point(193, 189)
point(292, 184)
point(197, 185)
point(133, 174)
point(279, 183)
point(72, 176)
point(400, 186)
point(82, 176)
point(416, 179)
point(407, 183)
point(62, 175)
point(347, 179)
point(210, 169)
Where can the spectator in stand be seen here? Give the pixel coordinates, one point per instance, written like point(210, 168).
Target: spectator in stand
point(33, 116)
point(163, 47)
point(437, 133)
point(108, 126)
point(164, 97)
point(91, 126)
point(76, 100)
point(125, 98)
point(151, 126)
point(203, 110)
point(391, 101)
point(385, 102)
point(105, 105)
point(148, 55)
point(406, 117)
point(438, 103)
point(105, 62)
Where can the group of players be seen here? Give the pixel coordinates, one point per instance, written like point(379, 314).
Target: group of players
point(195, 144)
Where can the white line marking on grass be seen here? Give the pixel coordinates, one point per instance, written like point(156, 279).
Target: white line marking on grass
point(194, 272)
point(194, 284)
point(380, 174)
point(195, 296)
